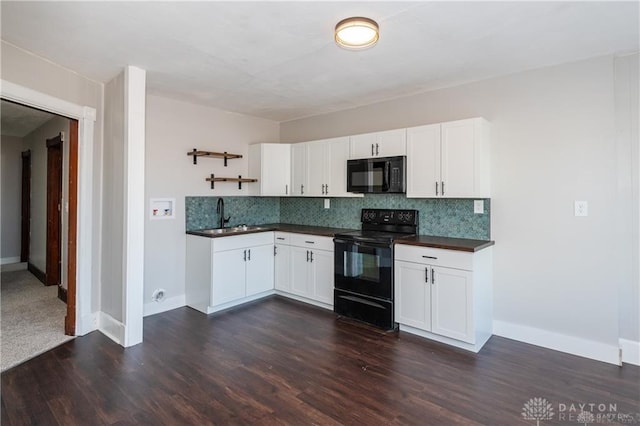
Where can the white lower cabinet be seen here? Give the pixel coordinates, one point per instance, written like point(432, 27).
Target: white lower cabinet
point(282, 262)
point(444, 295)
point(226, 271)
point(311, 269)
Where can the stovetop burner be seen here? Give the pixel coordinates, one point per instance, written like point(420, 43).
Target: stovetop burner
point(384, 225)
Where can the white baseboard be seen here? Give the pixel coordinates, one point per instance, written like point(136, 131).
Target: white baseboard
point(111, 327)
point(630, 351)
point(86, 324)
point(8, 260)
point(559, 342)
point(166, 305)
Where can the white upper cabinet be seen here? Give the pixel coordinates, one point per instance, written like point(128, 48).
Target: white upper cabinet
point(389, 143)
point(299, 169)
point(319, 168)
point(270, 163)
point(449, 160)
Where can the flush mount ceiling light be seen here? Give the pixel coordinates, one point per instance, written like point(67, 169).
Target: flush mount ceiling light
point(356, 33)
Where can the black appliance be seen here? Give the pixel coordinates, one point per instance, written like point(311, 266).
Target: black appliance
point(377, 175)
point(363, 266)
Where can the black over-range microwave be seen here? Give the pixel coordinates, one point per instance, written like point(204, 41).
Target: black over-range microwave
point(377, 175)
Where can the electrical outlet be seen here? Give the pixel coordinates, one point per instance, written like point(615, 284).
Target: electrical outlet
point(478, 206)
point(581, 208)
point(327, 203)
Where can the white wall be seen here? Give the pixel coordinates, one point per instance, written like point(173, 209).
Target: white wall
point(36, 141)
point(627, 115)
point(553, 142)
point(173, 129)
point(112, 290)
point(28, 70)
point(10, 198)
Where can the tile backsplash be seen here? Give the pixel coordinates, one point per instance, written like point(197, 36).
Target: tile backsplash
point(439, 217)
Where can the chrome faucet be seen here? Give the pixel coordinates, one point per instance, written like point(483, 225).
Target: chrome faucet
point(220, 211)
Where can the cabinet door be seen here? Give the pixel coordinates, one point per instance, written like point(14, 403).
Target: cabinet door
point(391, 143)
point(259, 269)
point(282, 268)
point(423, 161)
point(300, 272)
point(336, 155)
point(298, 168)
point(276, 170)
point(452, 304)
point(412, 295)
point(362, 146)
point(458, 158)
point(322, 276)
point(228, 282)
point(315, 168)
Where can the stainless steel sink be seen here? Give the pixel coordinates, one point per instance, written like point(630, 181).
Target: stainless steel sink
point(232, 230)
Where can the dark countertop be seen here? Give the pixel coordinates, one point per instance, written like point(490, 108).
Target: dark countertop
point(282, 227)
point(460, 244)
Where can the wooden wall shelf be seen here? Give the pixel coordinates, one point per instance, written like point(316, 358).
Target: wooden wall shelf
point(225, 155)
point(239, 179)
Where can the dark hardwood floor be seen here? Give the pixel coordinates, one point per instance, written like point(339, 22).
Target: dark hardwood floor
point(281, 362)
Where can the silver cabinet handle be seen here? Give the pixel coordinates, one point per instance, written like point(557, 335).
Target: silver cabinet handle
point(245, 256)
point(430, 257)
point(275, 250)
point(377, 149)
point(442, 187)
point(372, 150)
point(310, 242)
point(307, 255)
point(433, 277)
point(323, 190)
point(301, 189)
point(249, 257)
point(286, 190)
point(436, 188)
point(311, 256)
point(426, 275)
point(280, 238)
point(326, 189)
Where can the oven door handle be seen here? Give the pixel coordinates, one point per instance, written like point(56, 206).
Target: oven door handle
point(362, 243)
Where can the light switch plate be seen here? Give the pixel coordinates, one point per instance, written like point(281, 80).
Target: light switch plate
point(327, 203)
point(478, 206)
point(581, 208)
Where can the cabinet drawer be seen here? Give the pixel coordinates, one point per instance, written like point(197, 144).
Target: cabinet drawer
point(282, 238)
point(312, 241)
point(242, 241)
point(434, 256)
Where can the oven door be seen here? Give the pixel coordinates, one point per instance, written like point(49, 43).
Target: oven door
point(364, 268)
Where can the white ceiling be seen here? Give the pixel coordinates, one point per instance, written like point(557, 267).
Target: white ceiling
point(278, 60)
point(18, 120)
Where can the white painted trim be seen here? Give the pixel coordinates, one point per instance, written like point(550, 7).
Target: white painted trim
point(8, 260)
point(304, 300)
point(559, 342)
point(86, 117)
point(168, 304)
point(446, 340)
point(630, 351)
point(89, 322)
point(111, 328)
point(134, 152)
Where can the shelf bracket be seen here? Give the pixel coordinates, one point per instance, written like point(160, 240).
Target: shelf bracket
point(239, 181)
point(225, 158)
point(212, 180)
point(195, 157)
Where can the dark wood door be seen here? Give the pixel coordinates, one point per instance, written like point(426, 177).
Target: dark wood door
point(25, 216)
point(54, 211)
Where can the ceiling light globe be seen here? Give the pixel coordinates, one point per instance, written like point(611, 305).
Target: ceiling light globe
point(356, 33)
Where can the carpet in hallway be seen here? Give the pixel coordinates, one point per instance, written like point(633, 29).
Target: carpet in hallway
point(32, 318)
